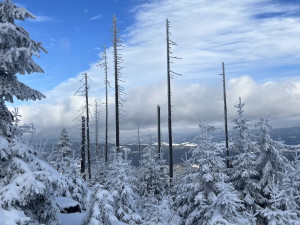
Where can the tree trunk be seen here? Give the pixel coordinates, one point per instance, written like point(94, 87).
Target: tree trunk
point(83, 147)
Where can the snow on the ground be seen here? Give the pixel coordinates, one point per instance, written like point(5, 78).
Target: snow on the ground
point(64, 202)
point(75, 218)
point(71, 218)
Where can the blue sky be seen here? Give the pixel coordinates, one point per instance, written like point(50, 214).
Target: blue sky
point(257, 39)
point(73, 32)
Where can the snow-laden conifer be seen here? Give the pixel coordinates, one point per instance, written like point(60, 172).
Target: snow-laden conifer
point(272, 165)
point(152, 175)
point(16, 51)
point(67, 164)
point(281, 207)
point(27, 184)
point(152, 184)
point(202, 196)
point(101, 210)
point(121, 183)
point(271, 162)
point(244, 173)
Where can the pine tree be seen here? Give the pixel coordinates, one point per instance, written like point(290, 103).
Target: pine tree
point(152, 184)
point(101, 211)
point(152, 210)
point(153, 178)
point(120, 182)
point(272, 164)
point(27, 184)
point(64, 153)
point(202, 187)
point(66, 164)
point(244, 173)
point(279, 210)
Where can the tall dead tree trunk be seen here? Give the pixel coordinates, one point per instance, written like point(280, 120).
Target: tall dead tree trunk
point(97, 129)
point(103, 64)
point(139, 142)
point(118, 89)
point(169, 104)
point(82, 170)
point(170, 74)
point(158, 132)
point(87, 124)
point(106, 107)
point(225, 116)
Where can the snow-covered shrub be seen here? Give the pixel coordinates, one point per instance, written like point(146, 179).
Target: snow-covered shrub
point(121, 183)
point(244, 174)
point(278, 209)
point(27, 184)
point(66, 164)
point(101, 210)
point(152, 175)
point(202, 195)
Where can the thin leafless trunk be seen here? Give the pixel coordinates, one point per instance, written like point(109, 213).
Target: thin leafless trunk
point(225, 116)
point(104, 65)
point(158, 132)
point(87, 125)
point(118, 88)
point(83, 146)
point(97, 129)
point(170, 74)
point(169, 104)
point(139, 142)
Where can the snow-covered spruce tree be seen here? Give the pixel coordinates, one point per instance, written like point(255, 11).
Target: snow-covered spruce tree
point(67, 165)
point(272, 164)
point(101, 211)
point(64, 153)
point(244, 174)
point(152, 184)
point(27, 184)
point(279, 210)
point(121, 183)
point(152, 210)
point(202, 196)
point(100, 168)
point(152, 176)
point(294, 175)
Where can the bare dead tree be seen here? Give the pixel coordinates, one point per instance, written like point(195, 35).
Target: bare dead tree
point(97, 129)
point(158, 132)
point(103, 64)
point(119, 90)
point(139, 142)
point(225, 115)
point(83, 91)
point(170, 75)
point(82, 169)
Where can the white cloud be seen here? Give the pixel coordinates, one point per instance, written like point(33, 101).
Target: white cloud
point(96, 17)
point(40, 19)
point(207, 32)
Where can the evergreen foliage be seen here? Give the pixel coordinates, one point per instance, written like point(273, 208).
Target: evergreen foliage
point(153, 177)
point(67, 165)
point(27, 184)
point(244, 173)
point(121, 183)
point(203, 189)
point(101, 211)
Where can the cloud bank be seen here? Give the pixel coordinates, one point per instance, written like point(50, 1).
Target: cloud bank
point(256, 39)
